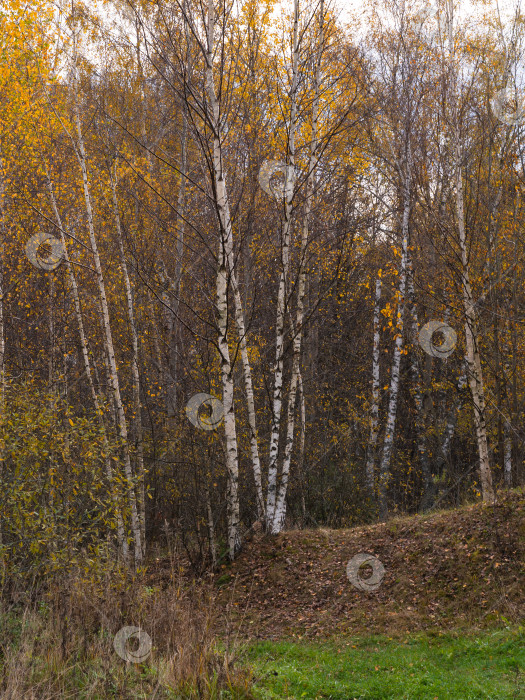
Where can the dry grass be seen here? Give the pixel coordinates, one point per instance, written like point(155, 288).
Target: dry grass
point(62, 646)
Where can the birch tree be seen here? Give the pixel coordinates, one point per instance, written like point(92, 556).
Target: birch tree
point(288, 193)
point(424, 462)
point(135, 372)
point(388, 443)
point(401, 91)
point(80, 152)
point(475, 371)
point(297, 327)
point(122, 540)
point(374, 407)
point(224, 255)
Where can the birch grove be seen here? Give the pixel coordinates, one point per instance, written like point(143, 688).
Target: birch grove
point(147, 264)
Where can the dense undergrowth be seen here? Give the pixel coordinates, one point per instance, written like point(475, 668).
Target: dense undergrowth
point(64, 648)
point(281, 622)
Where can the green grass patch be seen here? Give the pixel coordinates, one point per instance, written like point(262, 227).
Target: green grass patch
point(449, 666)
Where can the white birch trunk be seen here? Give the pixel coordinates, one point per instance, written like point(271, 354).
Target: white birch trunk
point(374, 408)
point(108, 337)
point(280, 508)
point(172, 312)
point(134, 371)
point(450, 427)
point(248, 385)
point(475, 371)
point(211, 530)
point(424, 463)
point(51, 328)
point(302, 445)
point(388, 444)
point(122, 541)
point(275, 432)
point(226, 224)
point(225, 245)
point(142, 96)
point(507, 455)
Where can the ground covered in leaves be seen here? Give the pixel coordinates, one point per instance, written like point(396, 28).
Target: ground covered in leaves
point(458, 569)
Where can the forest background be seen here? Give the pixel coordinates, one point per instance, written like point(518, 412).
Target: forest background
point(250, 206)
